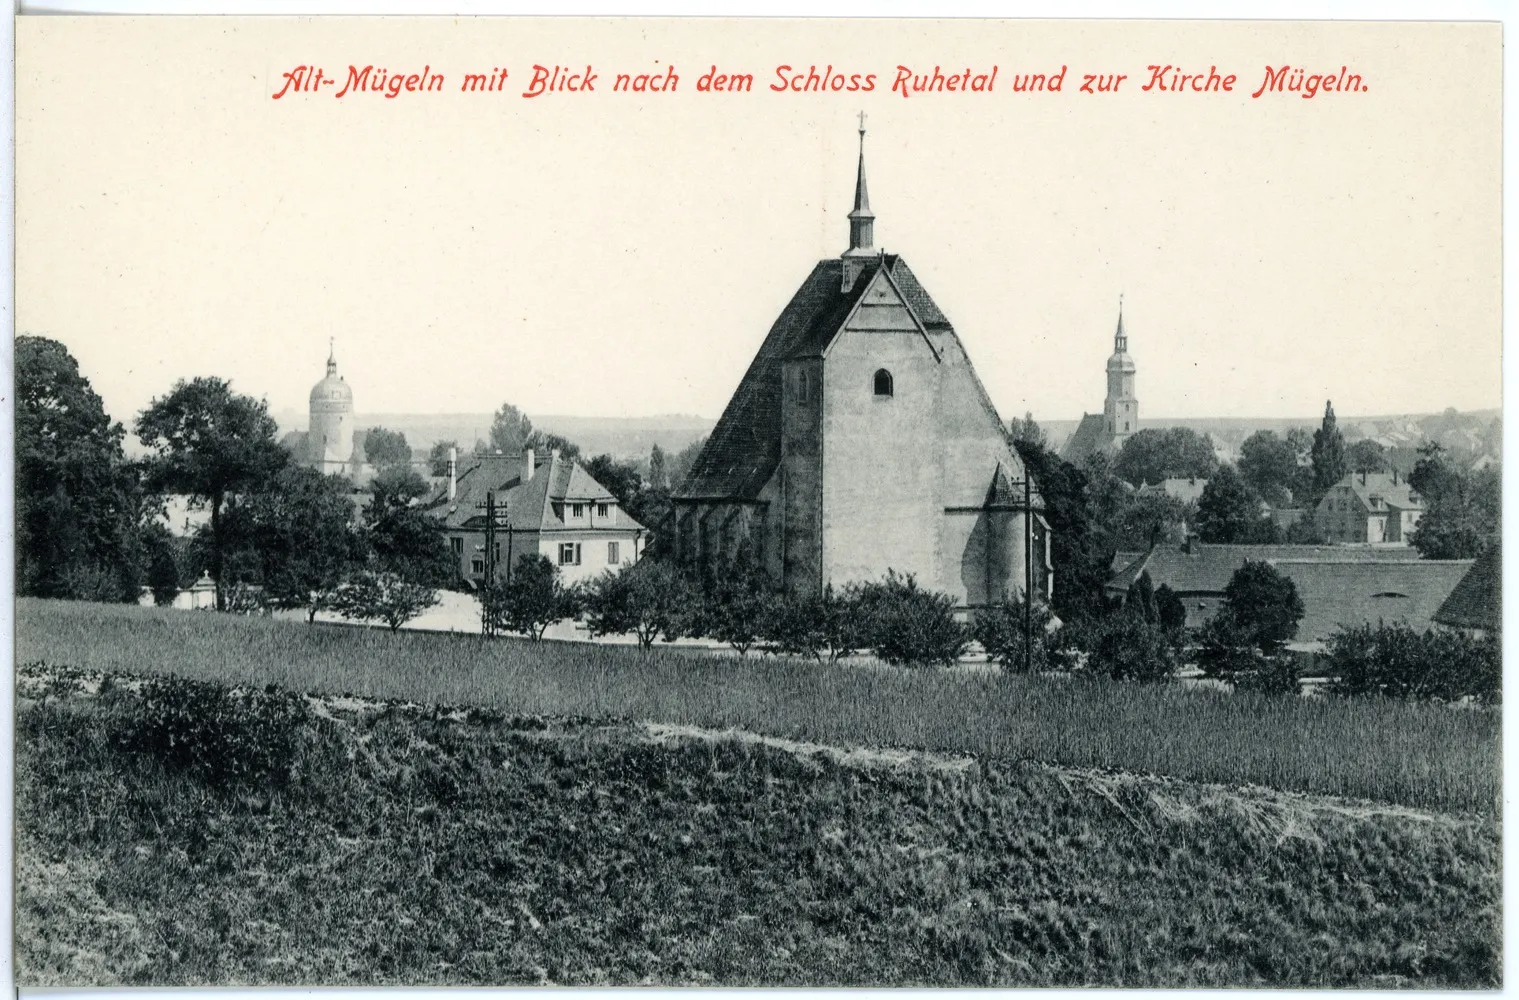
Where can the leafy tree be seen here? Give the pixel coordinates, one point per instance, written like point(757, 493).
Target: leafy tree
point(999, 630)
point(659, 472)
point(299, 530)
point(1140, 599)
point(680, 464)
point(1229, 511)
point(1366, 455)
point(163, 564)
point(437, 457)
point(1169, 609)
point(651, 598)
point(1080, 549)
point(1128, 647)
point(383, 597)
point(534, 599)
point(620, 478)
point(1141, 518)
point(209, 443)
point(738, 600)
point(811, 625)
point(1394, 661)
point(1330, 463)
point(541, 443)
point(1269, 466)
point(909, 625)
point(1027, 430)
point(387, 449)
point(79, 506)
point(400, 537)
point(1151, 455)
point(1462, 509)
point(1264, 603)
point(510, 430)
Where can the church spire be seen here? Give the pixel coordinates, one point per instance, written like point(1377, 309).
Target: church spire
point(332, 356)
point(861, 218)
point(1120, 339)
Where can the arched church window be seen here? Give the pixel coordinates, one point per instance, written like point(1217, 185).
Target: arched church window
point(883, 382)
point(802, 382)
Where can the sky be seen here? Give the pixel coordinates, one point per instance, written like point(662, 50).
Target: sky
point(607, 254)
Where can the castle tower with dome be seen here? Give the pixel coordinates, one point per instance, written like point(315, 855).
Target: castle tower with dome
point(329, 440)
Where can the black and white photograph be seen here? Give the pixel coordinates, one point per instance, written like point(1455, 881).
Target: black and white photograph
point(758, 502)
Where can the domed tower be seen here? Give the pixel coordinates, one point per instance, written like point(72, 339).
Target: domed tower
point(1121, 409)
point(330, 438)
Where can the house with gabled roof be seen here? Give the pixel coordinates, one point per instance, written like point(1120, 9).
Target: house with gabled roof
point(859, 440)
point(551, 507)
point(1370, 507)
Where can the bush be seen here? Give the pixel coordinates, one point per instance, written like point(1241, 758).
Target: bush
point(225, 738)
point(383, 597)
point(1263, 604)
point(1397, 662)
point(906, 624)
point(533, 600)
point(651, 598)
point(1000, 632)
point(1125, 646)
point(831, 622)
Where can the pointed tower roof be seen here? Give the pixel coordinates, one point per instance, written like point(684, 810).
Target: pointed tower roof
point(1120, 360)
point(861, 218)
point(332, 356)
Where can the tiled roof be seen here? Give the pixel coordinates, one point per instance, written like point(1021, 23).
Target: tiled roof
point(1338, 584)
point(1207, 568)
point(1185, 490)
point(1355, 593)
point(1381, 485)
point(529, 505)
point(1090, 435)
point(745, 446)
point(1477, 600)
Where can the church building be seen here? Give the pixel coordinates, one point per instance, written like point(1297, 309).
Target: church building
point(1108, 431)
point(861, 440)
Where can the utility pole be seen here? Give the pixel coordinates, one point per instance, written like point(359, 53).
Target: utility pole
point(1028, 573)
point(495, 517)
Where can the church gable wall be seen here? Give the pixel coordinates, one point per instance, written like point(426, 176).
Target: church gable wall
point(882, 459)
point(801, 476)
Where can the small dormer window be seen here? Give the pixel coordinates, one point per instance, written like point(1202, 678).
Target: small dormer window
point(577, 510)
point(601, 510)
point(883, 384)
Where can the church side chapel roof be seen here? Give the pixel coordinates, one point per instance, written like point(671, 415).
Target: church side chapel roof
point(1477, 600)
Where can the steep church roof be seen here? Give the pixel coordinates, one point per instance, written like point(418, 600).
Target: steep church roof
point(1477, 600)
point(745, 446)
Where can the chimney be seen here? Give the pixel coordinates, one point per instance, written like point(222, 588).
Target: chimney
point(529, 463)
point(1395, 476)
point(1363, 477)
point(453, 473)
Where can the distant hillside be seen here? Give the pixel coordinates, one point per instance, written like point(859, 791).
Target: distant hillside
point(620, 437)
point(1476, 431)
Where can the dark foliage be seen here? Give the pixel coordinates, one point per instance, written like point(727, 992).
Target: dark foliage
point(1264, 604)
point(1151, 455)
point(650, 599)
point(1127, 647)
point(906, 624)
point(79, 508)
point(1463, 508)
point(1330, 463)
point(384, 597)
point(1081, 552)
point(534, 599)
point(829, 623)
point(387, 449)
point(437, 456)
point(1229, 511)
point(1397, 662)
point(1000, 631)
point(1169, 609)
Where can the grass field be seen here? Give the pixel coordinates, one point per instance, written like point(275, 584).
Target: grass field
point(413, 846)
point(1414, 754)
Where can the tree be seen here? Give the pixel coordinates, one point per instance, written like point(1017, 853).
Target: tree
point(400, 537)
point(621, 479)
point(680, 465)
point(437, 457)
point(299, 530)
point(1027, 430)
point(999, 630)
point(1128, 647)
point(1151, 455)
point(387, 449)
point(1140, 600)
point(209, 443)
point(1229, 511)
point(79, 506)
point(1329, 461)
point(1170, 610)
point(737, 601)
point(651, 598)
point(1264, 603)
point(541, 442)
point(1141, 518)
point(383, 597)
point(1269, 465)
point(659, 473)
point(1081, 550)
point(534, 599)
point(1366, 455)
point(510, 430)
point(1462, 509)
point(909, 625)
point(810, 625)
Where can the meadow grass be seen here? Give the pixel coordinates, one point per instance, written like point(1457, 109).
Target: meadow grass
point(1410, 753)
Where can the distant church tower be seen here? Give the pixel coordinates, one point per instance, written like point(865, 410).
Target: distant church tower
point(1121, 410)
point(330, 438)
